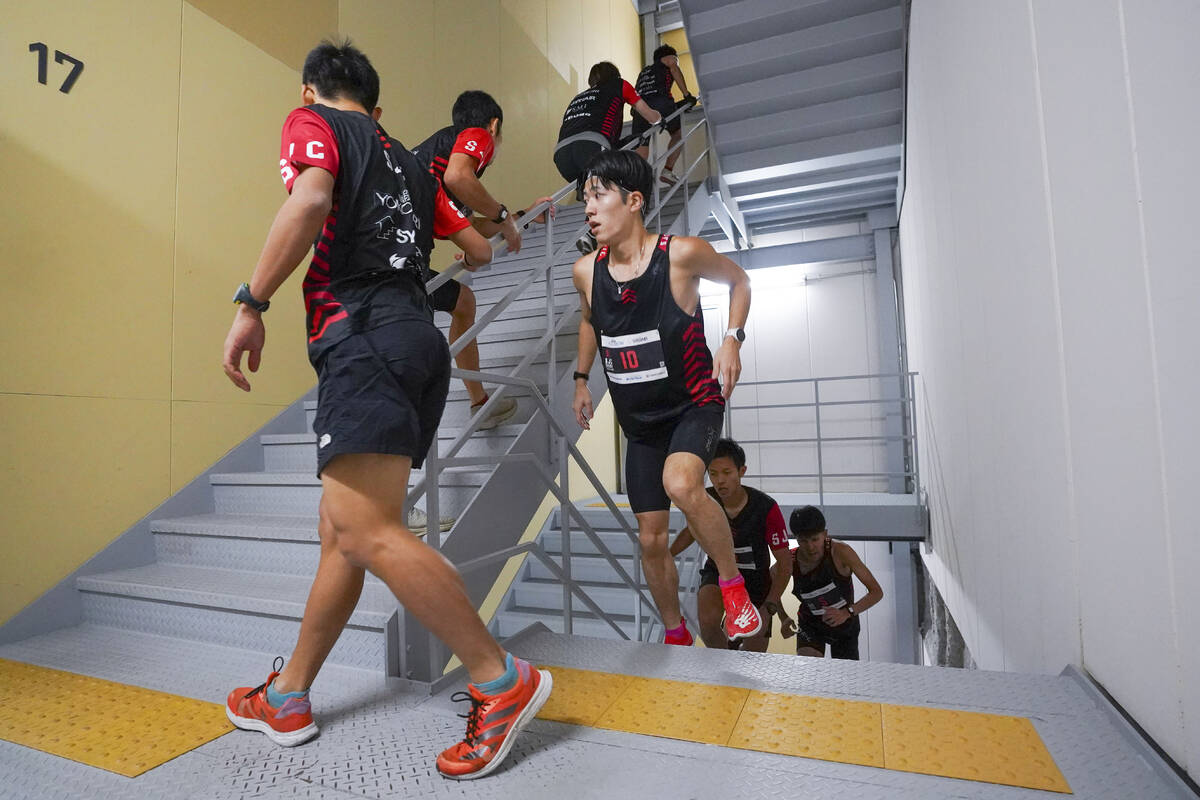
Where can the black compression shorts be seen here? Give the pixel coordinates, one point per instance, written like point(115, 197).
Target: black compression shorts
point(382, 391)
point(843, 644)
point(694, 431)
point(445, 297)
point(664, 105)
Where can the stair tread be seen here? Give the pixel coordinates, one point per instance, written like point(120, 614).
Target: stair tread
point(462, 476)
point(444, 433)
point(262, 592)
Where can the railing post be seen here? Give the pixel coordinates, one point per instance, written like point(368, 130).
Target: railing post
point(552, 357)
point(820, 464)
point(916, 462)
point(687, 200)
point(654, 178)
point(564, 526)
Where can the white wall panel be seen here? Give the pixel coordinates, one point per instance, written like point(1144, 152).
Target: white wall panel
point(1050, 285)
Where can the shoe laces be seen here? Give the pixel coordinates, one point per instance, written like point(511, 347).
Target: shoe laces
point(473, 717)
point(276, 666)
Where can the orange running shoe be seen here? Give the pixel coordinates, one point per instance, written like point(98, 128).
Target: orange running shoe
point(741, 617)
point(493, 723)
point(289, 725)
point(685, 639)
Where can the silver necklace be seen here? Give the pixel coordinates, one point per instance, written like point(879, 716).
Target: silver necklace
point(638, 269)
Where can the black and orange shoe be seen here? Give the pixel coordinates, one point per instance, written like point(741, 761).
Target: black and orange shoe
point(289, 725)
point(493, 723)
point(742, 619)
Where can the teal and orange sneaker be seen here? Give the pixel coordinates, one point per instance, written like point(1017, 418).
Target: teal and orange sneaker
point(289, 725)
point(493, 723)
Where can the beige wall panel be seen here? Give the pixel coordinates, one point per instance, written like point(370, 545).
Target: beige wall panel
point(286, 29)
point(678, 40)
point(86, 256)
point(626, 35)
point(229, 192)
point(599, 446)
point(597, 28)
point(398, 37)
point(521, 173)
point(77, 472)
point(467, 52)
point(201, 433)
point(567, 74)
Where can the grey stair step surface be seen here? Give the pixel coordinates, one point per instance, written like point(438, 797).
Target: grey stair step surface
point(584, 567)
point(297, 452)
point(612, 598)
point(227, 589)
point(510, 622)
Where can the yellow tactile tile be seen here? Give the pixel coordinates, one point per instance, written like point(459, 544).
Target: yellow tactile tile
point(846, 731)
point(694, 712)
point(580, 696)
point(123, 729)
point(968, 745)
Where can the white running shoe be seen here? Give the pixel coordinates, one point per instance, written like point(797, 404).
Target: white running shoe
point(418, 523)
point(502, 410)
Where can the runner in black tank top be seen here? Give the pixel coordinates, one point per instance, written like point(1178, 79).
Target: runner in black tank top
point(822, 580)
point(640, 298)
point(654, 85)
point(759, 533)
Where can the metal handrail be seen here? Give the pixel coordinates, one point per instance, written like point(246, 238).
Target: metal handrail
point(906, 402)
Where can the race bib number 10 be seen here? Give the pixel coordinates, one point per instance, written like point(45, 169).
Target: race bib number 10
point(634, 358)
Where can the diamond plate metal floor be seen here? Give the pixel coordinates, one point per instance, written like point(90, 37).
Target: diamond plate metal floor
point(379, 740)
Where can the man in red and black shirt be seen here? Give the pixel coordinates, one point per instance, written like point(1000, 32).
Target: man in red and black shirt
point(759, 534)
point(457, 156)
point(365, 204)
point(654, 84)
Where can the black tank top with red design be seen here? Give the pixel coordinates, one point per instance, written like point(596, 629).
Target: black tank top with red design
point(655, 358)
point(821, 588)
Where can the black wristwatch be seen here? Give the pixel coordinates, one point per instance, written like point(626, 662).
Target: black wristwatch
point(243, 297)
point(581, 376)
point(502, 215)
point(771, 607)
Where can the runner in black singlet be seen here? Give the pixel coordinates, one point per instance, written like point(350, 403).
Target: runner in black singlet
point(364, 205)
point(591, 123)
point(822, 580)
point(759, 534)
point(640, 299)
point(654, 84)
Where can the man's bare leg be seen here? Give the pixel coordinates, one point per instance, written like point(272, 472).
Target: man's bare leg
point(710, 609)
point(461, 319)
point(683, 478)
point(331, 601)
point(661, 574)
point(363, 499)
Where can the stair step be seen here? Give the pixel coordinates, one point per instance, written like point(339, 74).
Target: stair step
point(512, 621)
point(297, 452)
point(300, 492)
point(612, 598)
point(249, 610)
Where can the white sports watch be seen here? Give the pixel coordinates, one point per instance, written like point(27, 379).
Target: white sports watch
point(737, 333)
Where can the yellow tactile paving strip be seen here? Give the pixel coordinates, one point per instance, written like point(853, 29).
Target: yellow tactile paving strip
point(973, 746)
point(119, 728)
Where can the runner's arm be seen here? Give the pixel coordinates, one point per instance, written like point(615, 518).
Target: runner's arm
point(586, 348)
point(698, 259)
point(846, 554)
point(682, 542)
point(291, 235)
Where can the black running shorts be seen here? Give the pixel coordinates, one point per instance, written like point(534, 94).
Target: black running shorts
point(664, 105)
point(843, 644)
point(382, 391)
point(445, 297)
point(694, 431)
point(572, 159)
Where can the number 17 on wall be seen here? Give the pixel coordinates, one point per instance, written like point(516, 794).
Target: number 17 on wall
point(43, 54)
